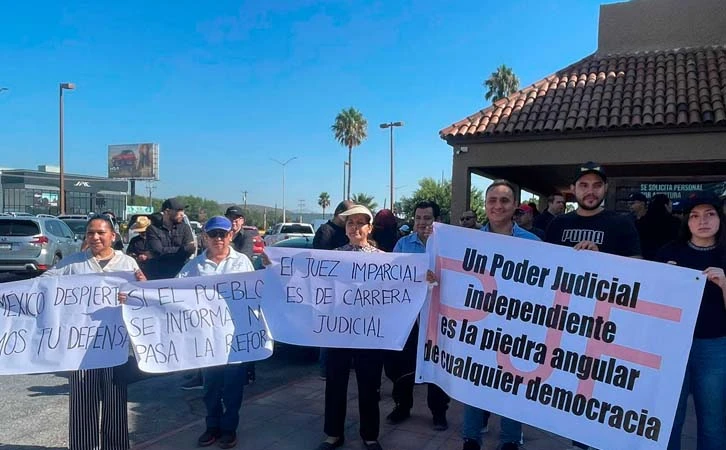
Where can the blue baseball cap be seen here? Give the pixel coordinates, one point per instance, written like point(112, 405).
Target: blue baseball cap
point(217, 223)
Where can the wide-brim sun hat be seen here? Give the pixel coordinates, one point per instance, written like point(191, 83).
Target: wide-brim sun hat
point(358, 209)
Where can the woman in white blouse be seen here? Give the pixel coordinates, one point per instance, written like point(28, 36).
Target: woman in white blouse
point(89, 388)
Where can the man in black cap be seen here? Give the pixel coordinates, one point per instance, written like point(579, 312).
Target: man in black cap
point(592, 227)
point(242, 241)
point(171, 243)
point(638, 204)
point(331, 234)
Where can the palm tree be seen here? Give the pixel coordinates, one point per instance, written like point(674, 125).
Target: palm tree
point(324, 201)
point(501, 84)
point(350, 129)
point(365, 200)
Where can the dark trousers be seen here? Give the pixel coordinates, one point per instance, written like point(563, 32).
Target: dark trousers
point(401, 369)
point(368, 365)
point(223, 388)
point(91, 391)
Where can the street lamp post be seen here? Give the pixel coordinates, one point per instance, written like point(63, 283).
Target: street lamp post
point(283, 164)
point(391, 125)
point(345, 164)
point(62, 187)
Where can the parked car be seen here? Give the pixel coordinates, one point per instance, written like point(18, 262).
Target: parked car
point(294, 242)
point(258, 244)
point(34, 244)
point(78, 226)
point(283, 231)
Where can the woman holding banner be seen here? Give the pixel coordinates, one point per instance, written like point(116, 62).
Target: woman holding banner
point(88, 388)
point(702, 246)
point(368, 363)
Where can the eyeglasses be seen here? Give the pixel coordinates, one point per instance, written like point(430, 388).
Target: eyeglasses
point(466, 217)
point(217, 234)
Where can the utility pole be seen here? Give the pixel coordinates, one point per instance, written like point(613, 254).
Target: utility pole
point(150, 186)
point(301, 206)
point(244, 199)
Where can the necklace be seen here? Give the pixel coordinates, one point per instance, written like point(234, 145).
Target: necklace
point(699, 248)
point(100, 257)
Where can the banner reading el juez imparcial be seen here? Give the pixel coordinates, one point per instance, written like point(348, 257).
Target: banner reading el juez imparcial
point(325, 298)
point(586, 345)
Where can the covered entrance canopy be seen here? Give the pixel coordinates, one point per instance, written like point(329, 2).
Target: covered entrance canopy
point(649, 106)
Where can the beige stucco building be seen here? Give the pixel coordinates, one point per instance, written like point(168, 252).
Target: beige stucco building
point(649, 105)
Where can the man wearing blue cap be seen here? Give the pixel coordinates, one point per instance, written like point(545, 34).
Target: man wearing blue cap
point(223, 385)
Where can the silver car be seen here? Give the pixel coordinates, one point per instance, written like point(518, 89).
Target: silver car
point(34, 244)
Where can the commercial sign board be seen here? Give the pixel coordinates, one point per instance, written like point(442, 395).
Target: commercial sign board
point(134, 161)
point(131, 210)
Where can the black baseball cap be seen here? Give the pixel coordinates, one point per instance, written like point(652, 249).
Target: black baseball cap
point(590, 167)
point(173, 204)
point(234, 211)
point(701, 198)
point(637, 197)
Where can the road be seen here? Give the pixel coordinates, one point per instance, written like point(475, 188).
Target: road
point(35, 407)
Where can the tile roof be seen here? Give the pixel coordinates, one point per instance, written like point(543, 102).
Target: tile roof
point(644, 90)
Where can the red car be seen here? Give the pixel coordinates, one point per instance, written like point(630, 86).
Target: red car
point(123, 159)
point(258, 244)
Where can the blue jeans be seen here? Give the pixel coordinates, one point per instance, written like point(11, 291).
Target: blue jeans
point(511, 430)
point(223, 388)
point(706, 379)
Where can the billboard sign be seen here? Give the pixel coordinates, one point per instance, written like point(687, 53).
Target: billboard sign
point(134, 161)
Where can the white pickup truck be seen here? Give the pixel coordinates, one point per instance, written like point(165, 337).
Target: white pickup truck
point(288, 230)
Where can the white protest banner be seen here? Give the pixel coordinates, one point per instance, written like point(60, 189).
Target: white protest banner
point(586, 345)
point(185, 323)
point(52, 324)
point(324, 298)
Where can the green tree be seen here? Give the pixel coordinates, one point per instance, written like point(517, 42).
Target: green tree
point(365, 200)
point(199, 208)
point(324, 201)
point(439, 191)
point(501, 83)
point(350, 129)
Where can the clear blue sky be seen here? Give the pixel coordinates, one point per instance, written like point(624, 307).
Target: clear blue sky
point(224, 86)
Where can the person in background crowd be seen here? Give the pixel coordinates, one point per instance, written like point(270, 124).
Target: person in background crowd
point(242, 241)
point(702, 246)
point(223, 385)
point(137, 248)
point(405, 230)
point(118, 243)
point(97, 390)
point(523, 216)
point(555, 207)
point(611, 232)
point(658, 226)
point(329, 236)
point(500, 203)
point(171, 243)
point(468, 220)
point(638, 205)
point(535, 210)
point(385, 230)
point(401, 366)
point(366, 362)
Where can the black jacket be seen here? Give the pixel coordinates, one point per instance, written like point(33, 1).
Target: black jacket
point(329, 236)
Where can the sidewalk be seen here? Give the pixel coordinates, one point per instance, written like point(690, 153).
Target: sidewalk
point(291, 418)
